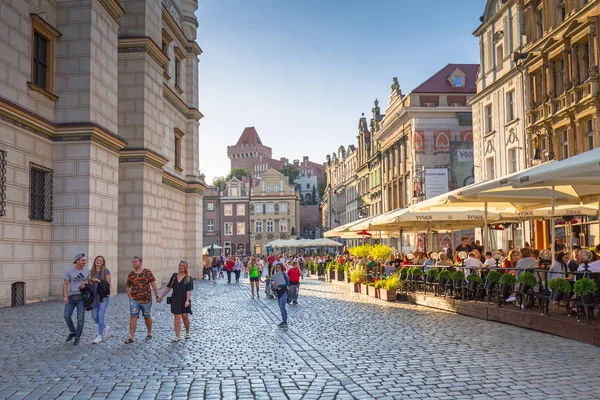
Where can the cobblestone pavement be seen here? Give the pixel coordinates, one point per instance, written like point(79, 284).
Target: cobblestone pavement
point(338, 345)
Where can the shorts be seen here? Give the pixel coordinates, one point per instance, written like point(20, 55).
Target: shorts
point(257, 279)
point(135, 308)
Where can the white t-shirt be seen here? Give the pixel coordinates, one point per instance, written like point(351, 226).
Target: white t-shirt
point(491, 263)
point(472, 263)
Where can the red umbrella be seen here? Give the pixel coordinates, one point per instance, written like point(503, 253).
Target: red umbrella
point(364, 232)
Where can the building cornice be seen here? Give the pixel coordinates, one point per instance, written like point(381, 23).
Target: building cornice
point(187, 112)
point(190, 46)
point(514, 72)
point(182, 185)
point(143, 45)
point(143, 155)
point(61, 132)
point(114, 8)
point(499, 13)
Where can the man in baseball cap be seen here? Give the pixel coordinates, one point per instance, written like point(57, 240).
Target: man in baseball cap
point(74, 279)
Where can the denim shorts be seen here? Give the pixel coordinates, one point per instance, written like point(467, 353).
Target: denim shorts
point(135, 308)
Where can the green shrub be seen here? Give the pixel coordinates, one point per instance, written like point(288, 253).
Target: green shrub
point(330, 266)
point(432, 272)
point(339, 267)
point(560, 284)
point(416, 271)
point(528, 279)
point(357, 275)
point(445, 274)
point(507, 279)
point(347, 267)
point(458, 275)
point(584, 287)
point(493, 277)
point(474, 278)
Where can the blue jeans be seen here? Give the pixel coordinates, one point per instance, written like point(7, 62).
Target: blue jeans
point(98, 314)
point(215, 273)
point(293, 290)
point(282, 302)
point(75, 301)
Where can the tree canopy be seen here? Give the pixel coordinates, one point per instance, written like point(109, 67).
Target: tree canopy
point(321, 186)
point(290, 171)
point(220, 182)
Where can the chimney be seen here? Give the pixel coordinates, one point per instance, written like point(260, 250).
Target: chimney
point(284, 160)
point(305, 161)
point(296, 163)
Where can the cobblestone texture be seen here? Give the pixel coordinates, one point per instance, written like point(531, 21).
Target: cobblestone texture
point(339, 345)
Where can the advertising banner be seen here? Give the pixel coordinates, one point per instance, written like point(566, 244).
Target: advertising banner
point(436, 182)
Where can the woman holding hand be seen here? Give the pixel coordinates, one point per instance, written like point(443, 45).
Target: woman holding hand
point(181, 307)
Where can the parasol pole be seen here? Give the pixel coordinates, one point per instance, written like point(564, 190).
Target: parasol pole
point(485, 227)
point(552, 232)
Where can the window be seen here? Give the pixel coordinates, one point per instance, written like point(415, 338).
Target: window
point(562, 11)
point(458, 81)
point(241, 228)
point(42, 58)
point(2, 183)
point(179, 57)
point(270, 227)
point(178, 136)
point(210, 206)
point(283, 207)
point(490, 168)
point(539, 16)
point(258, 227)
point(512, 161)
point(40, 193)
point(258, 208)
point(268, 188)
point(228, 228)
point(234, 191)
point(210, 225)
point(241, 209)
point(565, 144)
point(308, 185)
point(499, 57)
point(166, 40)
point(590, 134)
point(283, 225)
point(270, 208)
point(276, 188)
point(228, 210)
point(510, 106)
point(488, 118)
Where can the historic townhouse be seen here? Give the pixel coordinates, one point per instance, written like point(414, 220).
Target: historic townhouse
point(212, 217)
point(98, 140)
point(426, 139)
point(274, 210)
point(561, 59)
point(234, 216)
point(341, 190)
point(499, 140)
point(368, 168)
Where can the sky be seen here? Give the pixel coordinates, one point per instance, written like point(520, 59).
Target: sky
point(303, 71)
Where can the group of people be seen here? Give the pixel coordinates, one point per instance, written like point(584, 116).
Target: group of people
point(90, 289)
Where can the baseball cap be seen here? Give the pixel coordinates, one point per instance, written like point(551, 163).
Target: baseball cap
point(77, 257)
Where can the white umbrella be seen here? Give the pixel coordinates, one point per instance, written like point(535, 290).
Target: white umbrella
point(214, 246)
point(325, 242)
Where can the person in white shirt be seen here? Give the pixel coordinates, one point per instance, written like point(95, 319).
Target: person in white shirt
point(490, 262)
point(473, 263)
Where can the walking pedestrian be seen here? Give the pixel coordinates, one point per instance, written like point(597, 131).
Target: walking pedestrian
point(281, 281)
point(215, 269)
point(237, 269)
point(182, 285)
point(138, 286)
point(294, 278)
point(245, 267)
point(229, 264)
point(101, 280)
point(74, 280)
point(254, 278)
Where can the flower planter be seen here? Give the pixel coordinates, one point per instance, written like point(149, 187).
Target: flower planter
point(387, 295)
point(556, 295)
point(373, 292)
point(332, 275)
point(355, 287)
point(473, 286)
point(364, 289)
point(588, 300)
point(339, 275)
point(401, 296)
point(522, 288)
point(430, 278)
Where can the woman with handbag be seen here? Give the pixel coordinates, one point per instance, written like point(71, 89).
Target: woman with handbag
point(100, 278)
point(181, 306)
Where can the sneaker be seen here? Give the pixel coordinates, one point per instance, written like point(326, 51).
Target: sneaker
point(294, 302)
point(214, 282)
point(282, 325)
point(105, 332)
point(511, 299)
point(76, 341)
point(97, 340)
point(257, 296)
point(70, 337)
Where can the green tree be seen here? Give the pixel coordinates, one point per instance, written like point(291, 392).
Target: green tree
point(290, 171)
point(238, 173)
point(321, 186)
point(219, 183)
point(313, 194)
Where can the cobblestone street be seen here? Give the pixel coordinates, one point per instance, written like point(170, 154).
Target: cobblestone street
point(338, 345)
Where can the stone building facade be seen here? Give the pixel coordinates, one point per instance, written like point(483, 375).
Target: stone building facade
point(212, 217)
point(274, 210)
point(98, 140)
point(234, 216)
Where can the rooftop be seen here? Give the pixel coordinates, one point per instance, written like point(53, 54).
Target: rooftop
point(440, 82)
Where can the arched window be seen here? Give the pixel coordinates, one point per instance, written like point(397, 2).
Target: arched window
point(307, 197)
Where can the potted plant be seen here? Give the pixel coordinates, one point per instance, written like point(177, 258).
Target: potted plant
point(377, 285)
point(474, 281)
point(431, 275)
point(585, 289)
point(331, 267)
point(339, 272)
point(491, 279)
point(444, 277)
point(458, 278)
point(390, 285)
point(526, 281)
point(357, 276)
point(507, 282)
point(417, 273)
point(560, 288)
point(371, 292)
point(404, 273)
point(347, 268)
